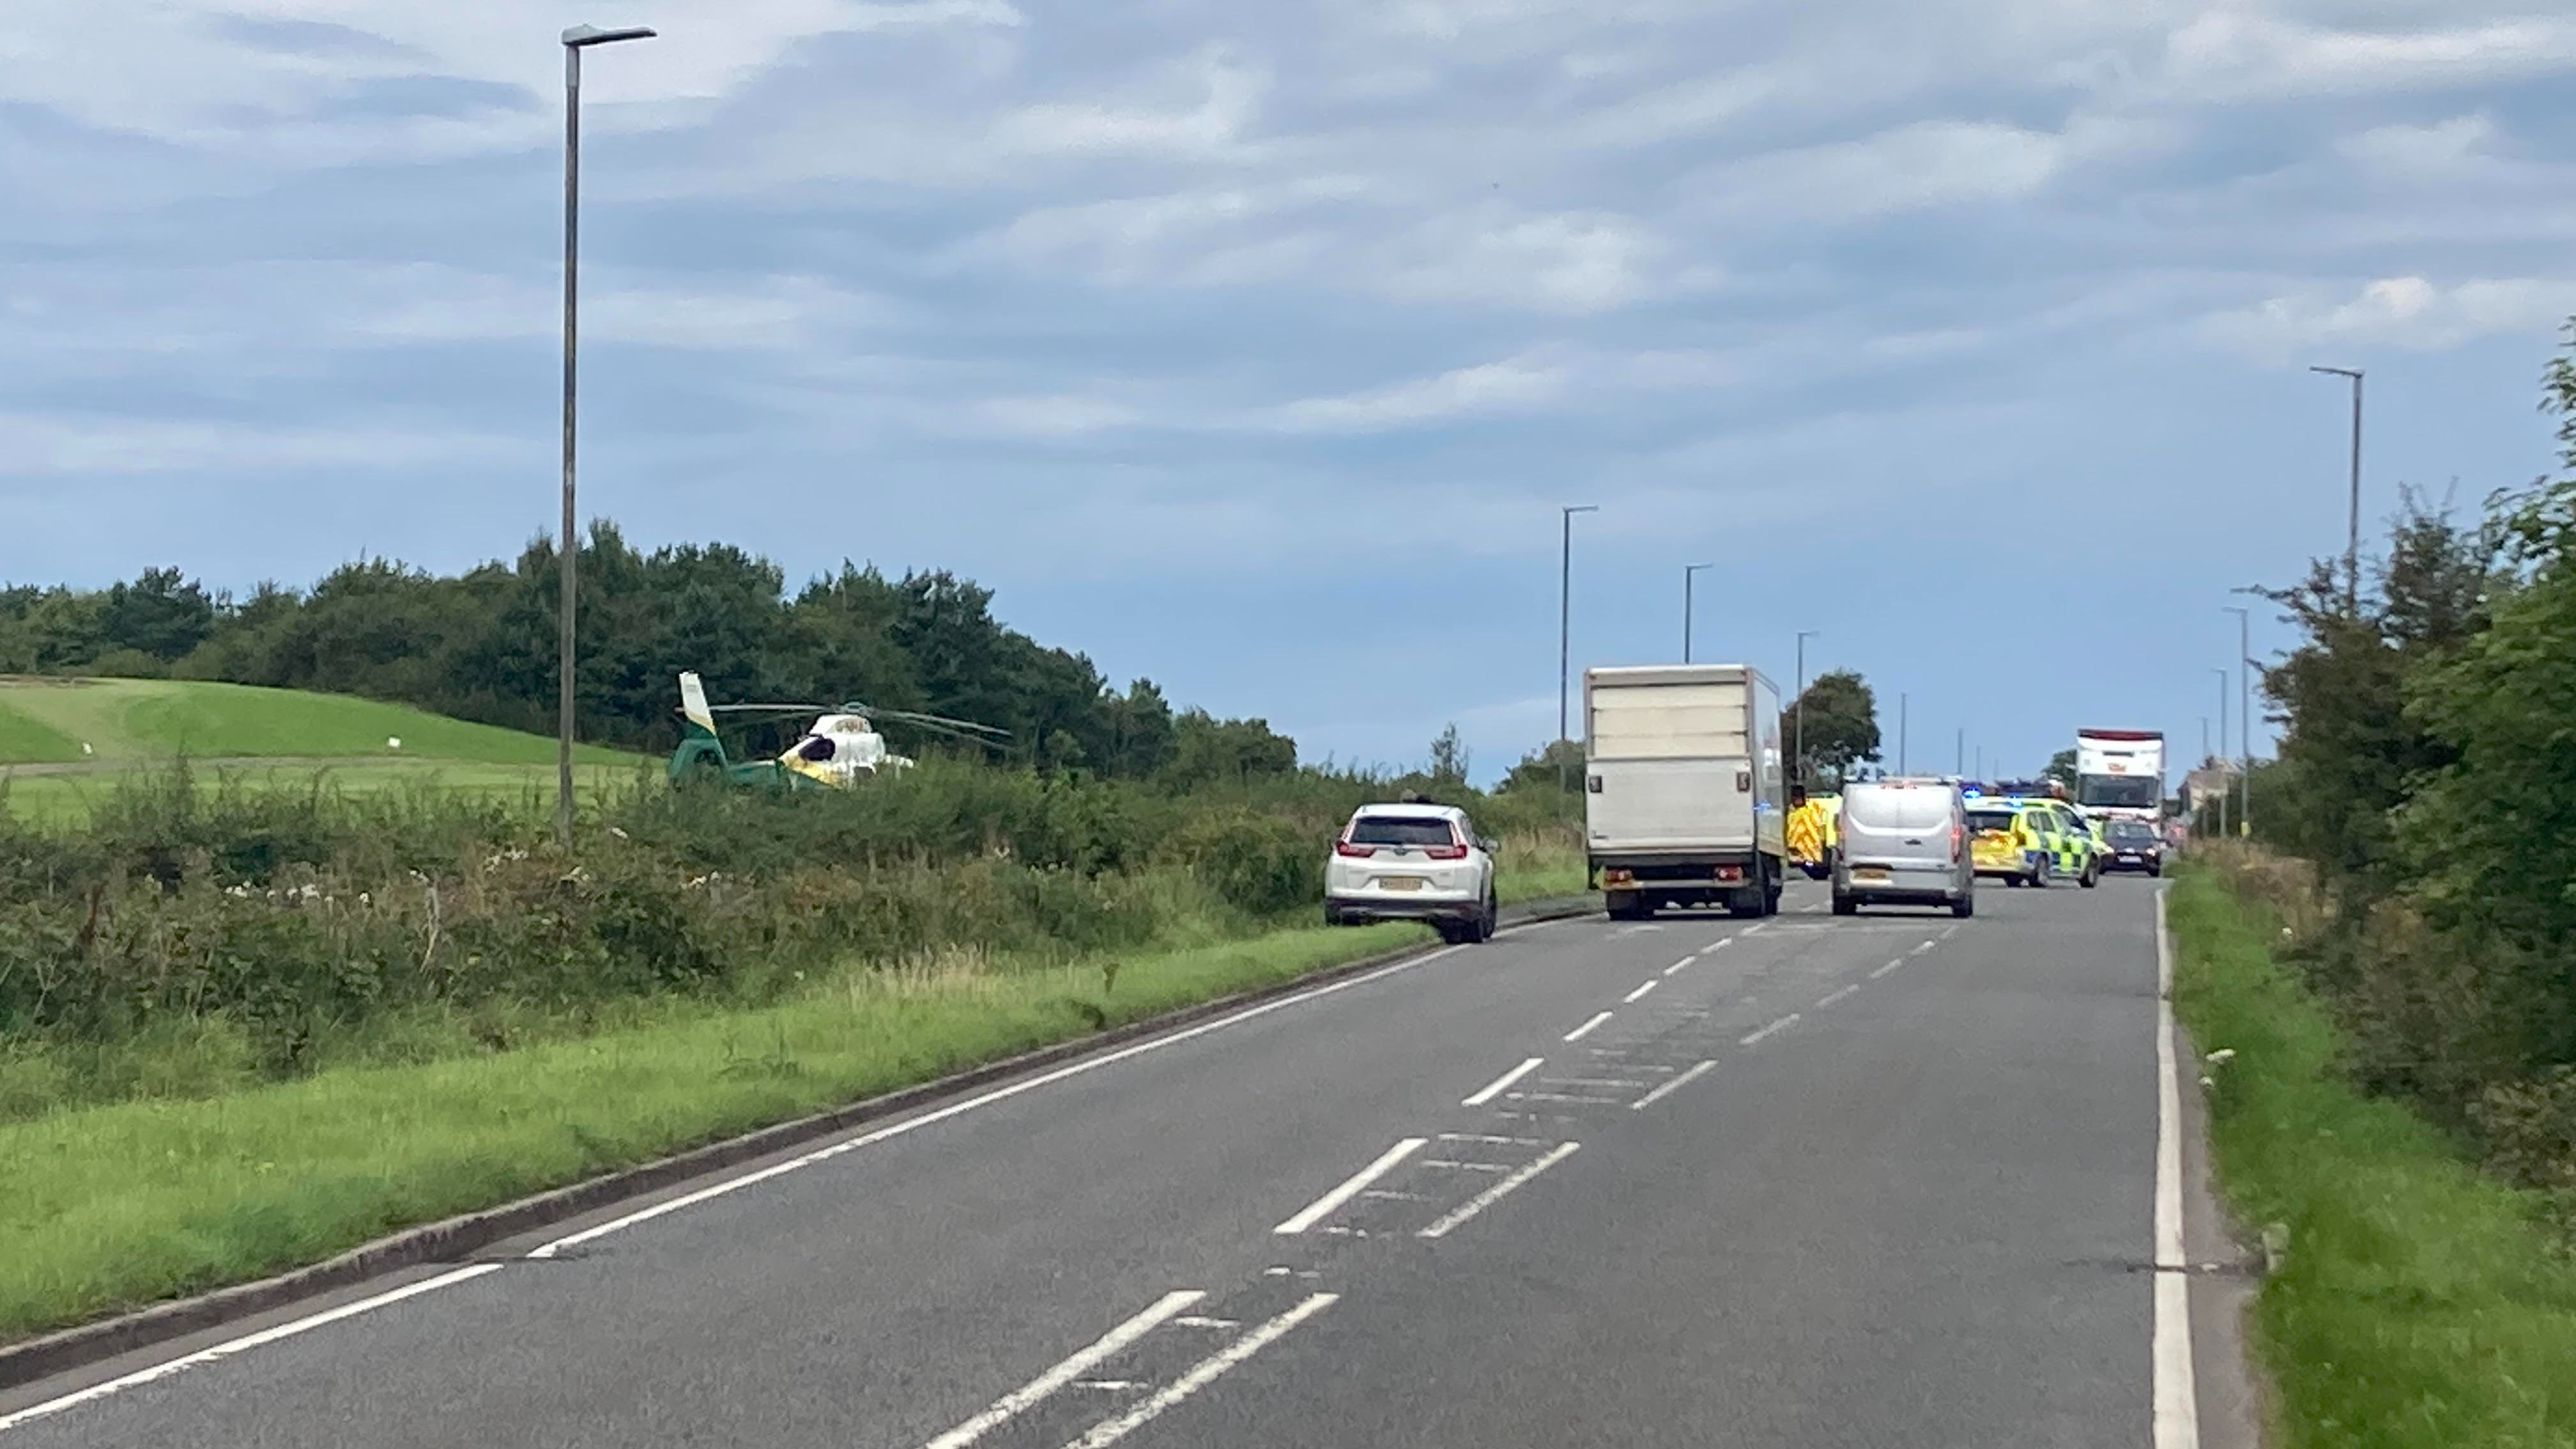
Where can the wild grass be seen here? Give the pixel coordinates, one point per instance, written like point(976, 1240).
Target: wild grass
point(2421, 1304)
point(117, 1205)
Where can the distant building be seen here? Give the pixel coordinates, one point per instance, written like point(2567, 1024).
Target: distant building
point(2211, 778)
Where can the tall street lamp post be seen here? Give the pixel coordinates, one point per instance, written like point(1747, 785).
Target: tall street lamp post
point(1798, 742)
point(568, 543)
point(2352, 539)
point(1689, 571)
point(2244, 719)
point(1565, 625)
point(2222, 742)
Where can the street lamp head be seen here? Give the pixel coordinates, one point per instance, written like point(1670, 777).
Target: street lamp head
point(2351, 372)
point(1573, 508)
point(584, 35)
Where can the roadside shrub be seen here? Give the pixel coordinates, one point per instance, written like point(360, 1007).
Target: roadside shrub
point(1259, 864)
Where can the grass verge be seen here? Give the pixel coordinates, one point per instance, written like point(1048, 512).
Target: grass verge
point(2420, 1303)
point(110, 1207)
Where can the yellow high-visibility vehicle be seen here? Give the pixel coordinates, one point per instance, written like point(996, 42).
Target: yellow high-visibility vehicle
point(2009, 840)
point(1814, 833)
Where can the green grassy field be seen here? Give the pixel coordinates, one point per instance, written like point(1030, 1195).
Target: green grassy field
point(48, 720)
point(145, 723)
point(2421, 1305)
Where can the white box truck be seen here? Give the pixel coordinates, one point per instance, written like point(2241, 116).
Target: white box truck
point(1685, 794)
point(2121, 773)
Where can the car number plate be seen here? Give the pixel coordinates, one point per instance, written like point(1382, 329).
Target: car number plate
point(1868, 872)
point(1401, 882)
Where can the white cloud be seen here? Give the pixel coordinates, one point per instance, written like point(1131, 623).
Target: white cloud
point(96, 444)
point(2420, 150)
point(1566, 262)
point(2236, 52)
point(2407, 312)
point(264, 77)
point(1910, 167)
point(1231, 98)
point(1511, 385)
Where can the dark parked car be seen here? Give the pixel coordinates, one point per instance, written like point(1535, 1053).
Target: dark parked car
point(2133, 845)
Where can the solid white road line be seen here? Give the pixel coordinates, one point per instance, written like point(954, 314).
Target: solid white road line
point(1638, 993)
point(1783, 1024)
point(1012, 1404)
point(1580, 1032)
point(1322, 1207)
point(1495, 1088)
point(2176, 1415)
point(1496, 1193)
point(1668, 1088)
point(959, 1109)
point(247, 1341)
point(1203, 1373)
point(1831, 997)
point(1890, 966)
point(1676, 966)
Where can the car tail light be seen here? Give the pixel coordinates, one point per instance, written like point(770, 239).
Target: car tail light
point(1456, 849)
point(1958, 837)
point(1344, 847)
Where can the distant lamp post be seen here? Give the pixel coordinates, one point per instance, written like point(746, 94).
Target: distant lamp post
point(575, 41)
point(1689, 571)
point(1798, 741)
point(1565, 624)
point(2222, 742)
point(1903, 700)
point(2244, 718)
point(2352, 539)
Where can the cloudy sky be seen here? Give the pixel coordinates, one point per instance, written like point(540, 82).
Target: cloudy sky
point(1254, 347)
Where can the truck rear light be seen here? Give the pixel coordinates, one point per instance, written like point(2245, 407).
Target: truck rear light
point(1730, 872)
point(1618, 877)
point(1592, 784)
point(1344, 847)
point(1744, 782)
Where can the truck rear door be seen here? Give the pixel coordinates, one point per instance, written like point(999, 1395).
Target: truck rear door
point(1670, 768)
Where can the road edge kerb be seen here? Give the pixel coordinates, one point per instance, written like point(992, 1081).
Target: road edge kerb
point(450, 1239)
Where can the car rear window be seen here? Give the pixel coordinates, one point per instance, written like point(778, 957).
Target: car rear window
point(1399, 830)
point(1990, 820)
point(2125, 830)
point(1899, 809)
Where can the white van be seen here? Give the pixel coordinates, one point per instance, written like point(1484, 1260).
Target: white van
point(1905, 842)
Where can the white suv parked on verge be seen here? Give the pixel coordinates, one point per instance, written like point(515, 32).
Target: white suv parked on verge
point(1412, 863)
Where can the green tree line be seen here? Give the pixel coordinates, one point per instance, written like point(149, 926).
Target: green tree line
point(2427, 773)
point(480, 645)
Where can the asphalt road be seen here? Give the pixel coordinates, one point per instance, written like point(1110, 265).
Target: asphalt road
point(1811, 1181)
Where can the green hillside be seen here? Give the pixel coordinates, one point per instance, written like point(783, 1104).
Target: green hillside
point(142, 720)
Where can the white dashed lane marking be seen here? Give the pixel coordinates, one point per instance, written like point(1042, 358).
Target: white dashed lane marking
point(1580, 1032)
point(1783, 1024)
point(1495, 1088)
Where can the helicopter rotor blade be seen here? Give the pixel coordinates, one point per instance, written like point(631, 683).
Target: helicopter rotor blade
point(928, 721)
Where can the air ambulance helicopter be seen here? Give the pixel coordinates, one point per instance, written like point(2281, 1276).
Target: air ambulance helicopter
point(840, 749)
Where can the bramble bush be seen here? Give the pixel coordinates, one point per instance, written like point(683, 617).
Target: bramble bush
point(243, 931)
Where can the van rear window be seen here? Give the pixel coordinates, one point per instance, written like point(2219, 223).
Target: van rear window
point(1399, 830)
